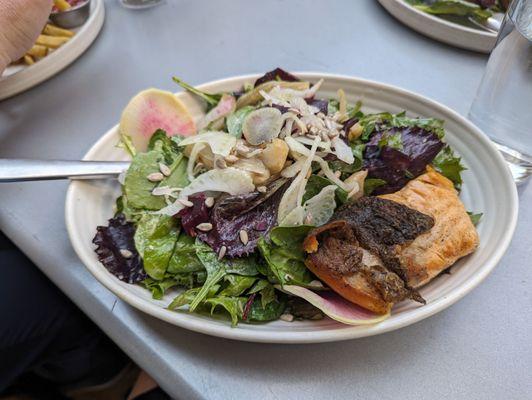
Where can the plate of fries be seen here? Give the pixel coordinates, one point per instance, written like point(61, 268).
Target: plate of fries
point(54, 49)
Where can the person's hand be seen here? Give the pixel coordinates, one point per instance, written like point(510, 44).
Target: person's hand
point(21, 21)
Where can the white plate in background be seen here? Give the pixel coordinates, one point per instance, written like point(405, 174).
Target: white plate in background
point(439, 28)
point(488, 188)
point(18, 77)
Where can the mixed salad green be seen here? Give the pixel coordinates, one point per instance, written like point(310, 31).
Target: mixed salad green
point(461, 10)
point(220, 209)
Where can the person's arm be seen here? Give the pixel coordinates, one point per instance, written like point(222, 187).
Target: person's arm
point(21, 21)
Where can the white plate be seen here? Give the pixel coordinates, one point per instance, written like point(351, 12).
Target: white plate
point(18, 78)
point(440, 29)
point(488, 188)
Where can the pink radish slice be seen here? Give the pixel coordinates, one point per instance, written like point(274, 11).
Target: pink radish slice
point(335, 306)
point(154, 109)
point(225, 107)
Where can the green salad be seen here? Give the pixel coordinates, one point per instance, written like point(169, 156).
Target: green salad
point(214, 211)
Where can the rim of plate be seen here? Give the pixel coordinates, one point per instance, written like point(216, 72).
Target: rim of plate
point(475, 39)
point(325, 335)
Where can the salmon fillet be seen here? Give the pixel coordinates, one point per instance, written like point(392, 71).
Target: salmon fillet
point(375, 254)
point(453, 235)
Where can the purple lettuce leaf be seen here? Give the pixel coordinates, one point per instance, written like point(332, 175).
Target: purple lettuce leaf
point(484, 3)
point(321, 104)
point(349, 124)
point(195, 215)
point(255, 213)
point(397, 165)
point(276, 74)
point(116, 250)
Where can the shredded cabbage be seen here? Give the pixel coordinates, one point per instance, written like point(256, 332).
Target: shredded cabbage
point(316, 211)
point(294, 194)
point(320, 208)
point(228, 180)
point(342, 150)
point(221, 143)
point(196, 149)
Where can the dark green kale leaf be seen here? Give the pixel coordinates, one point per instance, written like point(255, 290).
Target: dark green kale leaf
point(449, 165)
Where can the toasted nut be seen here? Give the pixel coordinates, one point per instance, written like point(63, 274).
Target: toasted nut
point(155, 177)
point(165, 170)
point(186, 203)
point(209, 202)
point(243, 237)
point(274, 155)
point(222, 252)
point(126, 253)
point(204, 226)
point(286, 317)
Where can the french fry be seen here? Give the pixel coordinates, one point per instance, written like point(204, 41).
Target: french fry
point(38, 51)
point(53, 30)
point(52, 42)
point(62, 5)
point(28, 60)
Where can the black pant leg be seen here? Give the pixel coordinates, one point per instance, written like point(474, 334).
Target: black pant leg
point(44, 332)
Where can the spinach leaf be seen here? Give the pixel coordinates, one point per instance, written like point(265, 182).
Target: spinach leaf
point(159, 141)
point(316, 183)
point(246, 266)
point(272, 311)
point(370, 184)
point(237, 285)
point(290, 237)
point(266, 291)
point(346, 169)
point(137, 187)
point(123, 207)
point(158, 288)
point(235, 120)
point(475, 218)
point(449, 165)
point(155, 239)
point(284, 265)
point(184, 259)
point(267, 295)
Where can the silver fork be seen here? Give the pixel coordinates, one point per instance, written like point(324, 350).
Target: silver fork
point(17, 170)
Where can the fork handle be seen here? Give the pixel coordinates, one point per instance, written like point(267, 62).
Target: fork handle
point(17, 170)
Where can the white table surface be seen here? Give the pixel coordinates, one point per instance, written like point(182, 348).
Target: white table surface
point(480, 348)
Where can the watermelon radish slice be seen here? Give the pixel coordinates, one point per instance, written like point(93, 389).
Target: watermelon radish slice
point(335, 306)
point(154, 109)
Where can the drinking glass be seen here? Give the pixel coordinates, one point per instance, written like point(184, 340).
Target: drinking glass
point(140, 3)
point(503, 104)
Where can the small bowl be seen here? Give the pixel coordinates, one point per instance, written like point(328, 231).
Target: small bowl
point(73, 17)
